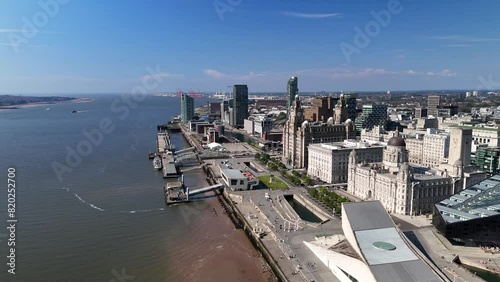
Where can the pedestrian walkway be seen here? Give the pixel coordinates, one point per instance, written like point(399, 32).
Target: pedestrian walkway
point(419, 221)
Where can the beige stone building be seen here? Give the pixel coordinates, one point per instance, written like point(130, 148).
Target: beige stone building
point(408, 189)
point(298, 133)
point(329, 161)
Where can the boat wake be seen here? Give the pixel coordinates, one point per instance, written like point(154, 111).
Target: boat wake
point(102, 210)
point(141, 211)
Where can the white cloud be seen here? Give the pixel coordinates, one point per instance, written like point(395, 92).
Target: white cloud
point(161, 75)
point(445, 72)
point(312, 15)
point(457, 45)
point(344, 73)
point(463, 38)
point(214, 74)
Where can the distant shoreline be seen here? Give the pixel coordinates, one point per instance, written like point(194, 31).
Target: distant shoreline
point(30, 105)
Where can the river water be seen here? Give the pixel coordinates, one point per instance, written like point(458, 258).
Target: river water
point(90, 206)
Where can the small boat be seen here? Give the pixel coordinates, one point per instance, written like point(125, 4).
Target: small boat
point(157, 163)
point(47, 109)
point(74, 111)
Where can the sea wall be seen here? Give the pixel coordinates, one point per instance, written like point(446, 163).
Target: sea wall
point(255, 241)
point(312, 207)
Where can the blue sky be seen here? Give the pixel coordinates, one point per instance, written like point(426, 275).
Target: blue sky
point(105, 46)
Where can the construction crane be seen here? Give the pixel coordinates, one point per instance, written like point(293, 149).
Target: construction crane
point(191, 93)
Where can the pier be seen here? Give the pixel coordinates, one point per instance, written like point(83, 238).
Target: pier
point(166, 151)
point(177, 193)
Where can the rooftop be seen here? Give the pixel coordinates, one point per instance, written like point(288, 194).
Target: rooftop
point(479, 200)
point(232, 173)
point(367, 215)
point(386, 253)
point(348, 145)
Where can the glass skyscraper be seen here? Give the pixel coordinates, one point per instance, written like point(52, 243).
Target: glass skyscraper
point(292, 91)
point(239, 105)
point(187, 108)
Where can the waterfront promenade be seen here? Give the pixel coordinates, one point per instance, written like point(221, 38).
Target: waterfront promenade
point(289, 252)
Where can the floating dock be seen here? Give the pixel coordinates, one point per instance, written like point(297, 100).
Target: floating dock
point(166, 151)
point(177, 193)
point(169, 168)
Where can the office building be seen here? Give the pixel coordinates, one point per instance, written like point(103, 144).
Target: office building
point(472, 214)
point(351, 102)
point(239, 107)
point(487, 159)
point(420, 112)
point(321, 109)
point(400, 187)
point(433, 103)
point(447, 111)
point(187, 108)
point(428, 148)
point(292, 90)
point(329, 161)
point(371, 116)
point(298, 133)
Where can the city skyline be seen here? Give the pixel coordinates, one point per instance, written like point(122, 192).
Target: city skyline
point(408, 45)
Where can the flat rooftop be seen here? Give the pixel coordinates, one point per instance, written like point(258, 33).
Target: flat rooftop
point(386, 253)
point(367, 215)
point(232, 173)
point(349, 145)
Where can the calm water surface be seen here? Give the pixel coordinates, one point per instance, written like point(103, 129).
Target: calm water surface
point(104, 216)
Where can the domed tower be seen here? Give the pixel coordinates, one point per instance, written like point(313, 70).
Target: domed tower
point(404, 172)
point(395, 154)
point(350, 129)
point(340, 114)
point(353, 157)
point(351, 175)
point(296, 114)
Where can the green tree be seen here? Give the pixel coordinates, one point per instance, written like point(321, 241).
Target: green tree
point(307, 180)
point(272, 166)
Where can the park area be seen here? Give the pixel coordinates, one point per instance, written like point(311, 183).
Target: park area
point(272, 182)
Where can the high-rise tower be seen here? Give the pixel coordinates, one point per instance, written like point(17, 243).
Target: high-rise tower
point(187, 108)
point(433, 105)
point(239, 105)
point(292, 91)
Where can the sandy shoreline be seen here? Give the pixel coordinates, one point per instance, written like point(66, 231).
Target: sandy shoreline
point(214, 250)
point(31, 105)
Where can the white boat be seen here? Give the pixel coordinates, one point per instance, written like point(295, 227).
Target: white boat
point(157, 163)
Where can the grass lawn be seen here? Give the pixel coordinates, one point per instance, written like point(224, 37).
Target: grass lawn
point(277, 184)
